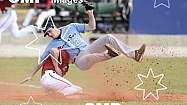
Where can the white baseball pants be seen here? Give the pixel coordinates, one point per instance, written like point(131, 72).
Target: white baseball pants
point(51, 82)
point(95, 52)
point(9, 21)
point(41, 18)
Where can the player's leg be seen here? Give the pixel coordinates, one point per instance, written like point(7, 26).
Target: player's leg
point(125, 50)
point(29, 17)
point(117, 44)
point(16, 33)
point(51, 81)
point(85, 60)
point(71, 90)
point(94, 53)
point(6, 21)
point(98, 46)
point(44, 15)
point(13, 28)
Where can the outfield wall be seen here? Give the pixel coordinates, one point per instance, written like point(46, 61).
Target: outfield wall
point(159, 17)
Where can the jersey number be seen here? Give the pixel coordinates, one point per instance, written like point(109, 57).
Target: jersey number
point(77, 41)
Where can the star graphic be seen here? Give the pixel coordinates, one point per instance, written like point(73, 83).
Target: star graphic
point(36, 38)
point(161, 4)
point(152, 85)
point(31, 98)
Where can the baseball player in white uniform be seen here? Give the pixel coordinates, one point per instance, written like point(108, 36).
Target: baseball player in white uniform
point(9, 20)
point(52, 80)
point(42, 10)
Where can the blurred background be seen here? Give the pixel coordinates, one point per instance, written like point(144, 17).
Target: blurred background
point(158, 23)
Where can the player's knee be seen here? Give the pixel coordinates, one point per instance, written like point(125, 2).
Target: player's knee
point(109, 37)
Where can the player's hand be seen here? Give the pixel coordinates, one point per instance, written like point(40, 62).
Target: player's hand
point(25, 80)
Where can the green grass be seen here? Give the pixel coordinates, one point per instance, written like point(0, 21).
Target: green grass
point(119, 73)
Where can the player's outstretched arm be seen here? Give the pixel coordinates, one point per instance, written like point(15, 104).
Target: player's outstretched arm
point(91, 24)
point(36, 68)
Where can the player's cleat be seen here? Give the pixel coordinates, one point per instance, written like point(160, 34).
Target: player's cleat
point(139, 53)
point(111, 50)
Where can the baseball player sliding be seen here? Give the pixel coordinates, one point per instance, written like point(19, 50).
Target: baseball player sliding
point(9, 20)
point(83, 55)
point(53, 81)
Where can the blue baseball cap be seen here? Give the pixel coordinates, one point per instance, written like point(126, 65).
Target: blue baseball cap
point(47, 29)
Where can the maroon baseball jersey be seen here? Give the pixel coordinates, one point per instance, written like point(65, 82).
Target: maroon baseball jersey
point(5, 3)
point(48, 64)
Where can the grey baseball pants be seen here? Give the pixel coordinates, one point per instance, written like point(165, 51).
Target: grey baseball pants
point(96, 52)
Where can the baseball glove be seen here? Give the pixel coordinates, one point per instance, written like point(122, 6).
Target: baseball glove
point(88, 6)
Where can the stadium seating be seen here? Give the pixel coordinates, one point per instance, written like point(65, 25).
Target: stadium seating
point(104, 13)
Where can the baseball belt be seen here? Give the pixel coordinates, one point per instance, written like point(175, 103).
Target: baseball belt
point(76, 56)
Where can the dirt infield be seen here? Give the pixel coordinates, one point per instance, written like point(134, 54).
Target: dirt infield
point(20, 95)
